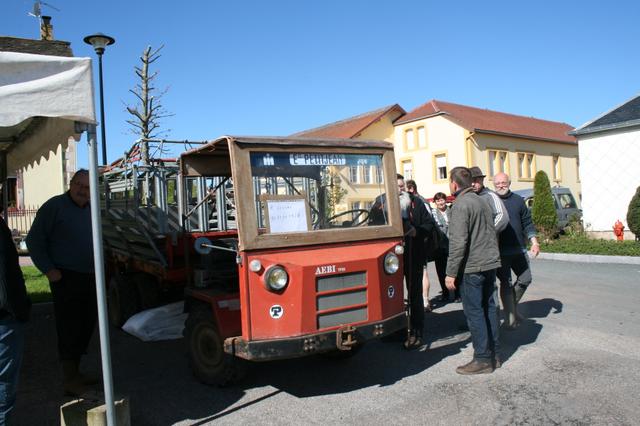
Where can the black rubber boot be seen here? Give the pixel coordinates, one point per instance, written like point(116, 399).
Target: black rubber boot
point(519, 291)
point(507, 297)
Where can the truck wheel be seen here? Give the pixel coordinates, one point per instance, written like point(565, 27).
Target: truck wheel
point(122, 300)
point(209, 362)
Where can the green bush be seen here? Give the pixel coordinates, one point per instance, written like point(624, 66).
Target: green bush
point(584, 245)
point(633, 214)
point(543, 211)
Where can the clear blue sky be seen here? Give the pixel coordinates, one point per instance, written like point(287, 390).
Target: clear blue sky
point(277, 67)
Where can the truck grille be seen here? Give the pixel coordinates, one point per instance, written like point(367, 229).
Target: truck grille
point(341, 299)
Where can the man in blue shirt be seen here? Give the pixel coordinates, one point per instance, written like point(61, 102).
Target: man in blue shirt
point(61, 246)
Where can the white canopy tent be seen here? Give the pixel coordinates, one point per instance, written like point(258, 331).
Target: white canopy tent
point(45, 100)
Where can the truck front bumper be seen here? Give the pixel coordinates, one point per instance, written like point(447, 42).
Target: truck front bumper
point(342, 339)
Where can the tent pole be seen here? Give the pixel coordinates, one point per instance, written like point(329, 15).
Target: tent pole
point(103, 322)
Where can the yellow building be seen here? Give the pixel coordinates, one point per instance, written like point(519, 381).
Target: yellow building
point(362, 183)
point(437, 136)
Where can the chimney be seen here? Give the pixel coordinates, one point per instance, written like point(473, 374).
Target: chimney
point(46, 29)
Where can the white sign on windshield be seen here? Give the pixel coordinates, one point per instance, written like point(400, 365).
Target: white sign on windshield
point(287, 215)
point(317, 160)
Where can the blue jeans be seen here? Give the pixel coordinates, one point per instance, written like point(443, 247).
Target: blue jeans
point(479, 302)
point(11, 346)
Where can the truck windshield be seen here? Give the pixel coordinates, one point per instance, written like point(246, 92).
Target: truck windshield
point(305, 191)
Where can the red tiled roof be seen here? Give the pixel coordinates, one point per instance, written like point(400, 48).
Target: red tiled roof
point(487, 121)
point(350, 127)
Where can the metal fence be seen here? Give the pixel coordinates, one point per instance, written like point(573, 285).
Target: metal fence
point(20, 220)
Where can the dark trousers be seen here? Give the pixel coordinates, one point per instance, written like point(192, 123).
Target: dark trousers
point(519, 264)
point(76, 311)
point(413, 278)
point(441, 270)
point(479, 302)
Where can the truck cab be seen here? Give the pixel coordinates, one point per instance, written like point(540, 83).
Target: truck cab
point(282, 259)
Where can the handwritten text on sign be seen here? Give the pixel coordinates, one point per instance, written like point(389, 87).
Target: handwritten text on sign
point(287, 216)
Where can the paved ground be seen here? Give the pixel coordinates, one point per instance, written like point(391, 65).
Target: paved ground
point(574, 361)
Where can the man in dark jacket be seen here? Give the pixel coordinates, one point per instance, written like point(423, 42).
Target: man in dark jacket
point(417, 224)
point(513, 249)
point(14, 312)
point(61, 246)
point(473, 250)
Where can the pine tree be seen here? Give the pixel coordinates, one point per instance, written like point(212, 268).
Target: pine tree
point(543, 212)
point(633, 214)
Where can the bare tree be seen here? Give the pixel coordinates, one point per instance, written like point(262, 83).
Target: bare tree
point(148, 112)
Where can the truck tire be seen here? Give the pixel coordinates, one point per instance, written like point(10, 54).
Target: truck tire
point(207, 358)
point(122, 300)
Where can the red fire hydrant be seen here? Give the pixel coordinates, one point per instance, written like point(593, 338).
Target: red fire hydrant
point(618, 230)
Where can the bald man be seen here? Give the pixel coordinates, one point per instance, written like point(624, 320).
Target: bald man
point(512, 242)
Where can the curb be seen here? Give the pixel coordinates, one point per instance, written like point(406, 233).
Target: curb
point(590, 258)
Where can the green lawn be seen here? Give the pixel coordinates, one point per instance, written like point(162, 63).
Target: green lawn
point(37, 284)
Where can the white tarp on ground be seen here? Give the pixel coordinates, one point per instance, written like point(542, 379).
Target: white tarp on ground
point(40, 99)
point(161, 323)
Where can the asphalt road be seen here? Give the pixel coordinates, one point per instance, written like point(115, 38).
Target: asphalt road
point(574, 361)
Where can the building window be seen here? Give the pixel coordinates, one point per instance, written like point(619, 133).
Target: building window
point(422, 137)
point(526, 165)
point(366, 174)
point(578, 168)
point(498, 162)
point(407, 169)
point(440, 167)
point(409, 143)
point(379, 178)
point(353, 174)
point(557, 172)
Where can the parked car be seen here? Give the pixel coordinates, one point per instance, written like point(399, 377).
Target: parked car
point(563, 199)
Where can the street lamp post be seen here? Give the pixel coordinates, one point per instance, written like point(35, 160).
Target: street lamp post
point(99, 42)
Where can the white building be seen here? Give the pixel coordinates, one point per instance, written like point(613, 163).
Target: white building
point(609, 149)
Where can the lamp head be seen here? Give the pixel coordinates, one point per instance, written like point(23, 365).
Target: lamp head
point(99, 41)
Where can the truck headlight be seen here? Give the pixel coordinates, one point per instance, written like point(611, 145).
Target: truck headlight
point(276, 278)
point(391, 263)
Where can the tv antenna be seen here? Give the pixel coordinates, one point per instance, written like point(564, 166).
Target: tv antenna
point(37, 9)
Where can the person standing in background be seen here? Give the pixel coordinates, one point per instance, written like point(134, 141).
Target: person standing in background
point(15, 307)
point(417, 224)
point(513, 250)
point(500, 215)
point(61, 246)
point(441, 216)
point(412, 188)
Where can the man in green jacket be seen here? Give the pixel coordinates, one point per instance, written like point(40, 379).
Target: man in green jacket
point(473, 251)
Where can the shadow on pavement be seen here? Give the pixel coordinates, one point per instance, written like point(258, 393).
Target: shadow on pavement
point(529, 329)
point(161, 389)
